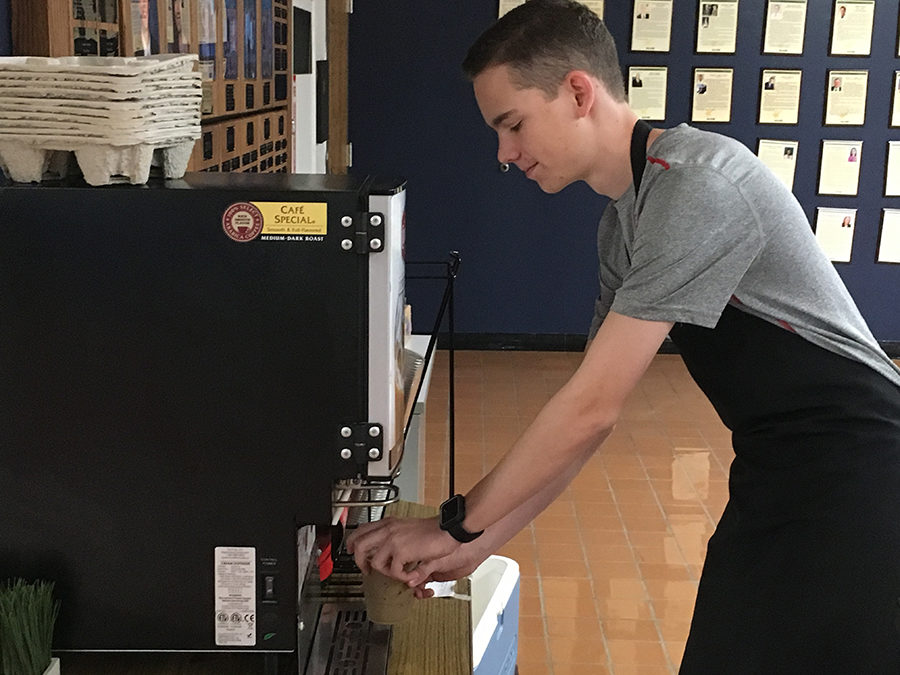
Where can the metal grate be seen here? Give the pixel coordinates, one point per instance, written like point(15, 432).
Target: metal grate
point(347, 643)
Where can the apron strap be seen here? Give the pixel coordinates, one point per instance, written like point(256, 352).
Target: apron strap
point(639, 136)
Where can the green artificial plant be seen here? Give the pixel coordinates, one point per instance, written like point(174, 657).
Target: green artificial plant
point(27, 615)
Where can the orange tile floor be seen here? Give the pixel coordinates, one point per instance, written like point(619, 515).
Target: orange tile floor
point(610, 570)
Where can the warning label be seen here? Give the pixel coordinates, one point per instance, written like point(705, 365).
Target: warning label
point(235, 612)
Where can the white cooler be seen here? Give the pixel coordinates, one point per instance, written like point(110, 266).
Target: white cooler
point(495, 616)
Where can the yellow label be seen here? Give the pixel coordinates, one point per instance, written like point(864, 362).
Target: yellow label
point(291, 218)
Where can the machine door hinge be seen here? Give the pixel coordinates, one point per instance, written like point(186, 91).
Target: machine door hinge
point(363, 233)
point(361, 442)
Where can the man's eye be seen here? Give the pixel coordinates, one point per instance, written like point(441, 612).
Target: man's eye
point(516, 126)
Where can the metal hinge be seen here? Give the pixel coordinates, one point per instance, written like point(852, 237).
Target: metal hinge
point(364, 233)
point(361, 442)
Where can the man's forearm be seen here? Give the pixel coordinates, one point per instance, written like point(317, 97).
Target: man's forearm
point(571, 425)
point(507, 527)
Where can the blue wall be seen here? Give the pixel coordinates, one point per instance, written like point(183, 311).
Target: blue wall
point(5, 37)
point(528, 258)
point(529, 262)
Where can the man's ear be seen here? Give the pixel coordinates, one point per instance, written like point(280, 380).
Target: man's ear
point(583, 88)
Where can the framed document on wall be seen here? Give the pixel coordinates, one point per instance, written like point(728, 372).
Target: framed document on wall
point(717, 27)
point(596, 6)
point(839, 167)
point(895, 100)
point(845, 102)
point(892, 172)
point(651, 26)
point(647, 91)
point(898, 36)
point(779, 100)
point(712, 94)
point(851, 30)
point(834, 230)
point(889, 237)
point(506, 5)
point(785, 27)
point(780, 157)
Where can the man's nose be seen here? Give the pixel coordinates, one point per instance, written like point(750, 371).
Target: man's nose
point(507, 152)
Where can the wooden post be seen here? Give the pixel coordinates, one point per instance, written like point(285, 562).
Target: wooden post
point(338, 98)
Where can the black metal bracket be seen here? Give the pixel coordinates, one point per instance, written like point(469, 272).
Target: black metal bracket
point(364, 233)
point(361, 442)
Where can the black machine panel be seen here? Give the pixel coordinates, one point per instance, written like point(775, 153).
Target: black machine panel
point(166, 390)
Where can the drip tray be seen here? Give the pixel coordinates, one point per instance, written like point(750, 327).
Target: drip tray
point(347, 643)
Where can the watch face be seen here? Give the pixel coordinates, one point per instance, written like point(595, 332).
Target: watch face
point(450, 509)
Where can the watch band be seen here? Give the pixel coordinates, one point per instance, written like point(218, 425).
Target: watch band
point(461, 534)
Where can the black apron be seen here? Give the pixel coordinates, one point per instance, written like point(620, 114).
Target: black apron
point(802, 574)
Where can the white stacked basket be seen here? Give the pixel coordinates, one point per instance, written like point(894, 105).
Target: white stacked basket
point(118, 115)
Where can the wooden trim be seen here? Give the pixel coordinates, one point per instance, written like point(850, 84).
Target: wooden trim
point(41, 27)
point(162, 16)
point(59, 18)
point(290, 86)
point(126, 39)
point(338, 39)
point(193, 9)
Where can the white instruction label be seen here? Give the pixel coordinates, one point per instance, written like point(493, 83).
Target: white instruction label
point(235, 596)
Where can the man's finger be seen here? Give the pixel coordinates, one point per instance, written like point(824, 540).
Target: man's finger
point(363, 544)
point(420, 575)
point(362, 561)
point(396, 569)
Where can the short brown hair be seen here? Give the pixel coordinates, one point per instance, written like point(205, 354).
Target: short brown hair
point(541, 41)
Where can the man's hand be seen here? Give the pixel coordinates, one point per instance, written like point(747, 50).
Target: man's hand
point(396, 547)
point(462, 562)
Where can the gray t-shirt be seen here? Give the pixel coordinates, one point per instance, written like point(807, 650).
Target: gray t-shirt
point(712, 226)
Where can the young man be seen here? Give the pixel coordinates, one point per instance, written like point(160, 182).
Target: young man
point(703, 243)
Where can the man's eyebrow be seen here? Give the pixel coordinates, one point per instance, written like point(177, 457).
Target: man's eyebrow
point(500, 118)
